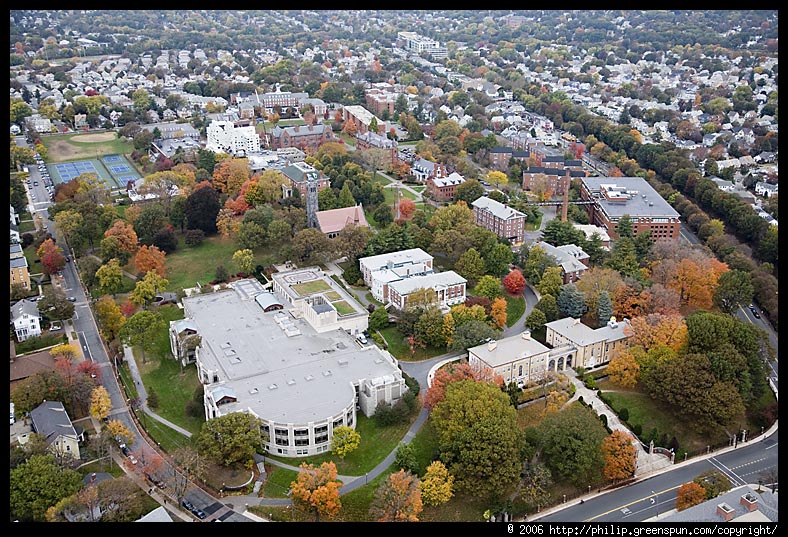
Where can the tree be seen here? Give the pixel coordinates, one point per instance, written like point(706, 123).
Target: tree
point(245, 260)
point(688, 495)
point(451, 372)
point(514, 282)
point(147, 288)
point(472, 333)
point(489, 286)
point(117, 430)
point(150, 220)
point(498, 178)
point(231, 438)
point(429, 327)
point(470, 266)
point(100, 403)
point(398, 499)
point(406, 208)
point(714, 482)
point(437, 485)
point(141, 329)
point(317, 490)
point(498, 259)
point(230, 174)
point(202, 207)
point(405, 458)
point(551, 282)
point(478, 436)
point(623, 369)
point(55, 305)
point(535, 320)
point(469, 191)
point(383, 215)
point(311, 245)
point(37, 484)
point(734, 288)
point(378, 319)
point(125, 236)
point(604, 307)
point(620, 456)
point(571, 302)
point(498, 312)
point(250, 235)
point(110, 277)
point(657, 329)
point(345, 440)
point(150, 258)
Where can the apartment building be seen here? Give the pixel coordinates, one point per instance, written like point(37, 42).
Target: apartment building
point(225, 136)
point(504, 221)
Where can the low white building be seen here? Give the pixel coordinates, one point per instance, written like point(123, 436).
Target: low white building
point(224, 136)
point(448, 288)
point(379, 271)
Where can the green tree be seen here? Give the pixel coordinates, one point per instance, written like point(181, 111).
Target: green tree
point(535, 320)
point(535, 261)
point(110, 277)
point(383, 215)
point(478, 437)
point(489, 286)
point(378, 319)
point(498, 259)
point(470, 266)
point(559, 233)
point(604, 307)
point(232, 438)
point(734, 288)
point(551, 281)
point(55, 305)
point(571, 301)
point(472, 333)
point(345, 198)
point(549, 306)
point(326, 200)
point(142, 329)
point(574, 428)
point(146, 289)
point(469, 191)
point(38, 484)
point(345, 440)
point(405, 458)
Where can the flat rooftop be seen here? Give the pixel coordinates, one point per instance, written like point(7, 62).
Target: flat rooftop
point(291, 379)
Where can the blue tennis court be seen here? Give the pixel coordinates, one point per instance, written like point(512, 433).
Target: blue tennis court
point(69, 170)
point(124, 179)
point(118, 168)
point(112, 158)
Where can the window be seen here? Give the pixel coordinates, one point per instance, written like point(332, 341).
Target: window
point(301, 432)
point(302, 442)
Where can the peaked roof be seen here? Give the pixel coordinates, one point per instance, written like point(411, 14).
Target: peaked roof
point(22, 307)
point(335, 220)
point(51, 420)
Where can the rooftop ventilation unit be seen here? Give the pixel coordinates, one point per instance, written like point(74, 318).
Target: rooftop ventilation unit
point(253, 391)
point(272, 386)
point(290, 382)
point(327, 373)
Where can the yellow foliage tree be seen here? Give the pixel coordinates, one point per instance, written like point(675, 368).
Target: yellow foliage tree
point(658, 329)
point(498, 312)
point(623, 369)
point(620, 455)
point(688, 495)
point(437, 486)
point(100, 403)
point(65, 349)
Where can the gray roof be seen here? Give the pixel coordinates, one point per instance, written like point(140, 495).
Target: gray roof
point(508, 350)
point(303, 130)
point(412, 255)
point(433, 280)
point(581, 335)
point(159, 514)
point(288, 379)
point(267, 299)
point(18, 262)
point(636, 204)
point(568, 256)
point(16, 248)
point(51, 420)
point(497, 208)
point(24, 306)
point(301, 172)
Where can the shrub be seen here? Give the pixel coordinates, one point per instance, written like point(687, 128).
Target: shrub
point(194, 237)
point(221, 274)
point(623, 414)
point(637, 429)
point(193, 409)
point(153, 399)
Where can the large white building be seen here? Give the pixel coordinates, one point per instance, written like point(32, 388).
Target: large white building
point(288, 358)
point(224, 136)
point(380, 270)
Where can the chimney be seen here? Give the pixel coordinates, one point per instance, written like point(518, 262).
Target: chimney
point(491, 345)
point(576, 321)
point(93, 477)
point(725, 511)
point(526, 334)
point(750, 501)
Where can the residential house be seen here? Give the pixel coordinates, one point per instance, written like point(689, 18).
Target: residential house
point(22, 367)
point(333, 221)
point(571, 258)
point(18, 267)
point(504, 221)
point(50, 420)
point(16, 237)
point(590, 347)
point(26, 319)
point(443, 188)
point(766, 190)
point(423, 169)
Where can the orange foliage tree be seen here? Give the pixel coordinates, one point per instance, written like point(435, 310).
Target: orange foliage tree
point(658, 329)
point(406, 208)
point(150, 258)
point(498, 312)
point(623, 369)
point(689, 494)
point(125, 235)
point(230, 174)
point(398, 499)
point(317, 490)
point(620, 455)
point(514, 282)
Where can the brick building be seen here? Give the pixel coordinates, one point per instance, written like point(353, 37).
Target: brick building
point(506, 222)
point(442, 189)
point(304, 137)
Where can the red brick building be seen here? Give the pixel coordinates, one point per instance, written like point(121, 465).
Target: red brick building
point(303, 137)
point(442, 189)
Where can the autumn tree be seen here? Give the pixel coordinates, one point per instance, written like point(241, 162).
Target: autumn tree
point(52, 259)
point(245, 260)
point(437, 485)
point(658, 329)
point(406, 208)
point(118, 430)
point(620, 456)
point(498, 312)
point(514, 282)
point(454, 372)
point(230, 174)
point(125, 237)
point(535, 486)
point(147, 288)
point(100, 403)
point(150, 258)
point(317, 490)
point(345, 440)
point(109, 317)
point(688, 495)
point(623, 369)
point(66, 350)
point(142, 329)
point(398, 499)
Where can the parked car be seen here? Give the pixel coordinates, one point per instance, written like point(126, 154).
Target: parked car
point(199, 513)
point(72, 299)
point(754, 311)
point(125, 450)
point(132, 459)
point(187, 504)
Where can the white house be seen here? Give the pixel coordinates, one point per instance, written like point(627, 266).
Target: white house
point(224, 136)
point(50, 420)
point(26, 319)
point(765, 189)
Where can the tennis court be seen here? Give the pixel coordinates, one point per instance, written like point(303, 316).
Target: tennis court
point(114, 169)
point(118, 169)
point(69, 170)
point(112, 158)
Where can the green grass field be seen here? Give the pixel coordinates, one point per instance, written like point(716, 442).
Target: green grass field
point(308, 288)
point(333, 295)
point(400, 349)
point(515, 307)
point(78, 146)
point(343, 308)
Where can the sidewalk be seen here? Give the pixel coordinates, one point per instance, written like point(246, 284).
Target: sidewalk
point(143, 395)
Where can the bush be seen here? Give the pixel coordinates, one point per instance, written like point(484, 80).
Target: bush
point(590, 383)
point(153, 399)
point(623, 414)
point(637, 429)
point(352, 274)
point(194, 409)
point(221, 274)
point(194, 237)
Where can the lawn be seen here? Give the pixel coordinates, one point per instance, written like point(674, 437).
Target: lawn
point(400, 349)
point(163, 374)
point(391, 195)
point(333, 295)
point(343, 308)
point(382, 179)
point(190, 265)
point(308, 288)
point(35, 343)
point(27, 226)
point(83, 146)
point(515, 307)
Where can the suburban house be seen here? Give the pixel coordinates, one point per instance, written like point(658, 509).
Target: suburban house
point(22, 367)
point(423, 169)
point(303, 137)
point(26, 319)
point(301, 173)
point(50, 420)
point(519, 359)
point(590, 347)
point(332, 221)
point(571, 258)
point(448, 288)
point(299, 369)
point(15, 235)
point(18, 266)
point(442, 188)
point(766, 190)
point(615, 197)
point(501, 219)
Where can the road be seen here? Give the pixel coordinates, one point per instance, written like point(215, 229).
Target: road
point(84, 325)
point(744, 465)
